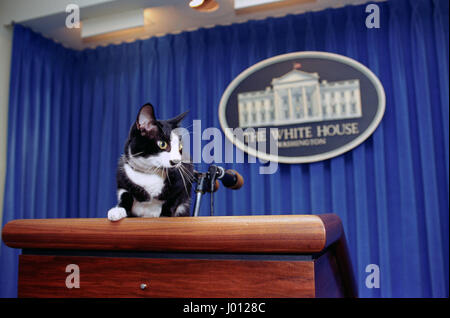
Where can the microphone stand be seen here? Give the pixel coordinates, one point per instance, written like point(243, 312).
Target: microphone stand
point(199, 190)
point(206, 182)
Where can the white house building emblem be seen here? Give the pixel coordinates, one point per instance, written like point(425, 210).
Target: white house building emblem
point(312, 105)
point(299, 97)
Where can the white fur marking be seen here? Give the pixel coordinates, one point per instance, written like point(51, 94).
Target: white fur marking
point(119, 193)
point(163, 158)
point(152, 183)
point(174, 147)
point(116, 214)
point(150, 209)
point(181, 209)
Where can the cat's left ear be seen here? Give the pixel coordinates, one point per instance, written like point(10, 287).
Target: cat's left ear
point(176, 120)
point(146, 121)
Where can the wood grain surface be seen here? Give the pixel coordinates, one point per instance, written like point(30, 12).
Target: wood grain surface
point(223, 234)
point(45, 276)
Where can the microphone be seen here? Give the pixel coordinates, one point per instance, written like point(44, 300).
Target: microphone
point(230, 178)
point(207, 182)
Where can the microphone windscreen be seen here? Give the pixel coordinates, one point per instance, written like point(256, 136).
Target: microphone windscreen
point(240, 180)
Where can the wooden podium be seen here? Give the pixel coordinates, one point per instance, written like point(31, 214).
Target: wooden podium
point(230, 256)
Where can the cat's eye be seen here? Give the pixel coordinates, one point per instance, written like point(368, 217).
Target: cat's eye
point(162, 144)
point(180, 148)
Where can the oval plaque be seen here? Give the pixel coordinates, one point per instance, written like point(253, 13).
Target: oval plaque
point(321, 104)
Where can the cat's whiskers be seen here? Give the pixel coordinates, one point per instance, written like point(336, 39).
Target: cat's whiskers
point(187, 173)
point(166, 170)
point(140, 166)
point(186, 134)
point(182, 178)
point(188, 127)
point(160, 170)
point(136, 154)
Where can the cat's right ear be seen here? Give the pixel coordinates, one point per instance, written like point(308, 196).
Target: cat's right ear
point(146, 121)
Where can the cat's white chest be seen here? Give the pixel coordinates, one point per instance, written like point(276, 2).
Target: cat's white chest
point(152, 183)
point(150, 209)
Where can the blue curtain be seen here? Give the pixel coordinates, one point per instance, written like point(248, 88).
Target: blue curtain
point(70, 111)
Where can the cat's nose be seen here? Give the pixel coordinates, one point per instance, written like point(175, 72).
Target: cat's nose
point(174, 162)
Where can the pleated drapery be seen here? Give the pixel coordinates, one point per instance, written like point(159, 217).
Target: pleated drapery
point(70, 112)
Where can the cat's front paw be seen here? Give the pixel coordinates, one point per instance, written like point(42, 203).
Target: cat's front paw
point(116, 214)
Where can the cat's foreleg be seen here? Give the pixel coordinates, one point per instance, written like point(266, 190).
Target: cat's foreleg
point(123, 208)
point(169, 209)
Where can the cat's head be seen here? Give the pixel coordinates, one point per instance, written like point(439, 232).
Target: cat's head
point(154, 143)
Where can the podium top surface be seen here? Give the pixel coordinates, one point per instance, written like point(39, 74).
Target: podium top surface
point(299, 234)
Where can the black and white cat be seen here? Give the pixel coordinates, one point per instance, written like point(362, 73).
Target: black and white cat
point(152, 178)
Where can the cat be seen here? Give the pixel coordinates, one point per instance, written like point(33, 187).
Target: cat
point(153, 178)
